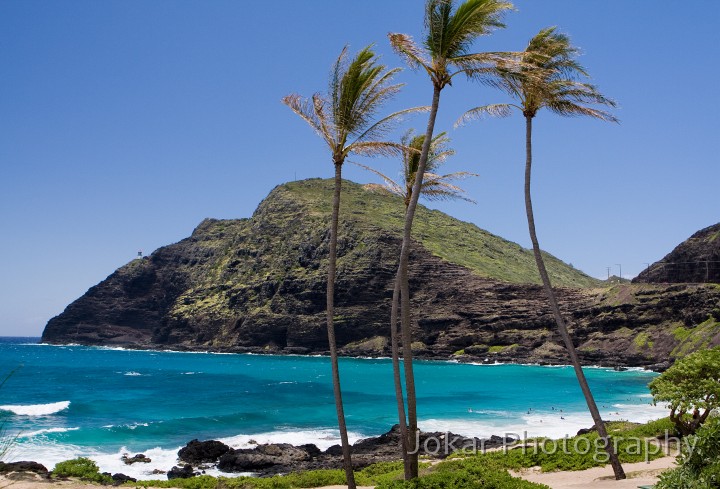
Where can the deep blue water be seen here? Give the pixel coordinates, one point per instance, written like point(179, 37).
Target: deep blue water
point(67, 401)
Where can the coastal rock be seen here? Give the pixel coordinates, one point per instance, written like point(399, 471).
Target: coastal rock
point(697, 260)
point(196, 452)
point(139, 458)
point(120, 478)
point(24, 466)
point(184, 472)
point(258, 286)
point(271, 459)
point(267, 458)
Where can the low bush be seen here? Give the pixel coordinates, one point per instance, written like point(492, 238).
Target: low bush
point(699, 460)
point(83, 468)
point(471, 473)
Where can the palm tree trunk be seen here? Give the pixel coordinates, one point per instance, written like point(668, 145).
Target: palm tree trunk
point(562, 328)
point(402, 279)
point(332, 258)
point(399, 397)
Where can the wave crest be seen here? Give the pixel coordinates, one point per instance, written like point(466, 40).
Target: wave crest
point(36, 409)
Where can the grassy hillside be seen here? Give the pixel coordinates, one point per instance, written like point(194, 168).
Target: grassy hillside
point(453, 240)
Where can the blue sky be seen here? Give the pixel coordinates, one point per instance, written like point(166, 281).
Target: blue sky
point(124, 123)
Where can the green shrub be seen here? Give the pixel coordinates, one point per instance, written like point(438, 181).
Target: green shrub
point(374, 474)
point(83, 468)
point(691, 387)
point(471, 473)
point(657, 428)
point(699, 460)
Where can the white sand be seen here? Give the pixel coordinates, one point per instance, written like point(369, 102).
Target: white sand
point(638, 474)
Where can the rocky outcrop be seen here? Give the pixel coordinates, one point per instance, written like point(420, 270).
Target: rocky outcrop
point(281, 458)
point(24, 467)
point(197, 452)
point(184, 472)
point(258, 285)
point(139, 458)
point(695, 260)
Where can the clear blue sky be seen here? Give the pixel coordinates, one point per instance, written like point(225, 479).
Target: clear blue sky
point(124, 123)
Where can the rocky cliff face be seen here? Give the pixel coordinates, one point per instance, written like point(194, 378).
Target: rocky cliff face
point(258, 285)
point(695, 260)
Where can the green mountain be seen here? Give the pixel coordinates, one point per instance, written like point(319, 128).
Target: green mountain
point(258, 285)
point(448, 238)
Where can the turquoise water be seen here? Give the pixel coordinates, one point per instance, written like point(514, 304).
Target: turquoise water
point(68, 401)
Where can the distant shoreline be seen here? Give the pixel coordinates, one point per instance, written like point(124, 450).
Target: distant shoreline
point(464, 359)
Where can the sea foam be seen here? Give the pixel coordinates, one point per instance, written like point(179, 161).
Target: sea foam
point(37, 409)
point(46, 431)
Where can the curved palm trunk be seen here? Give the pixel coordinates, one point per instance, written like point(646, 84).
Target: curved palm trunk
point(562, 328)
point(397, 379)
point(402, 279)
point(332, 258)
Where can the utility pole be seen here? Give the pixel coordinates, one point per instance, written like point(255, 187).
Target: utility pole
point(620, 266)
point(608, 270)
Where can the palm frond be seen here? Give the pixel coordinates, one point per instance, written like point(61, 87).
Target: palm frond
point(478, 113)
point(434, 186)
point(546, 74)
point(404, 46)
point(390, 185)
point(358, 87)
point(472, 19)
point(373, 148)
point(569, 109)
point(439, 187)
point(327, 130)
point(451, 34)
point(376, 188)
point(336, 76)
point(382, 127)
point(306, 109)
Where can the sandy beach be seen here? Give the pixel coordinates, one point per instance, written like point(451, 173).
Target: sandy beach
point(639, 474)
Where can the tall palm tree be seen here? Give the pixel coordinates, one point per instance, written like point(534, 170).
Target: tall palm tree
point(450, 34)
point(434, 187)
point(344, 120)
point(547, 77)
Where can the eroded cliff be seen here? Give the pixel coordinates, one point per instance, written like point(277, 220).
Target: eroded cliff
point(258, 285)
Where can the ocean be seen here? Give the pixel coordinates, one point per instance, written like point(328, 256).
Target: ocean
point(64, 402)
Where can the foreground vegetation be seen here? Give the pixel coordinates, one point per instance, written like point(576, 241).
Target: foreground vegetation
point(700, 467)
point(387, 475)
point(691, 387)
point(482, 470)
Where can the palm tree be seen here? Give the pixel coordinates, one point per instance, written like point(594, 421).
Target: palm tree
point(357, 90)
point(450, 34)
point(434, 187)
point(547, 77)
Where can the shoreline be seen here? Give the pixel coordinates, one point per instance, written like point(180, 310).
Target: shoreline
point(639, 473)
point(478, 360)
point(287, 454)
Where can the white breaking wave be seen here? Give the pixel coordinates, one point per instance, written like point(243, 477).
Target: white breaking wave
point(46, 431)
point(36, 409)
point(552, 424)
point(323, 438)
point(163, 459)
